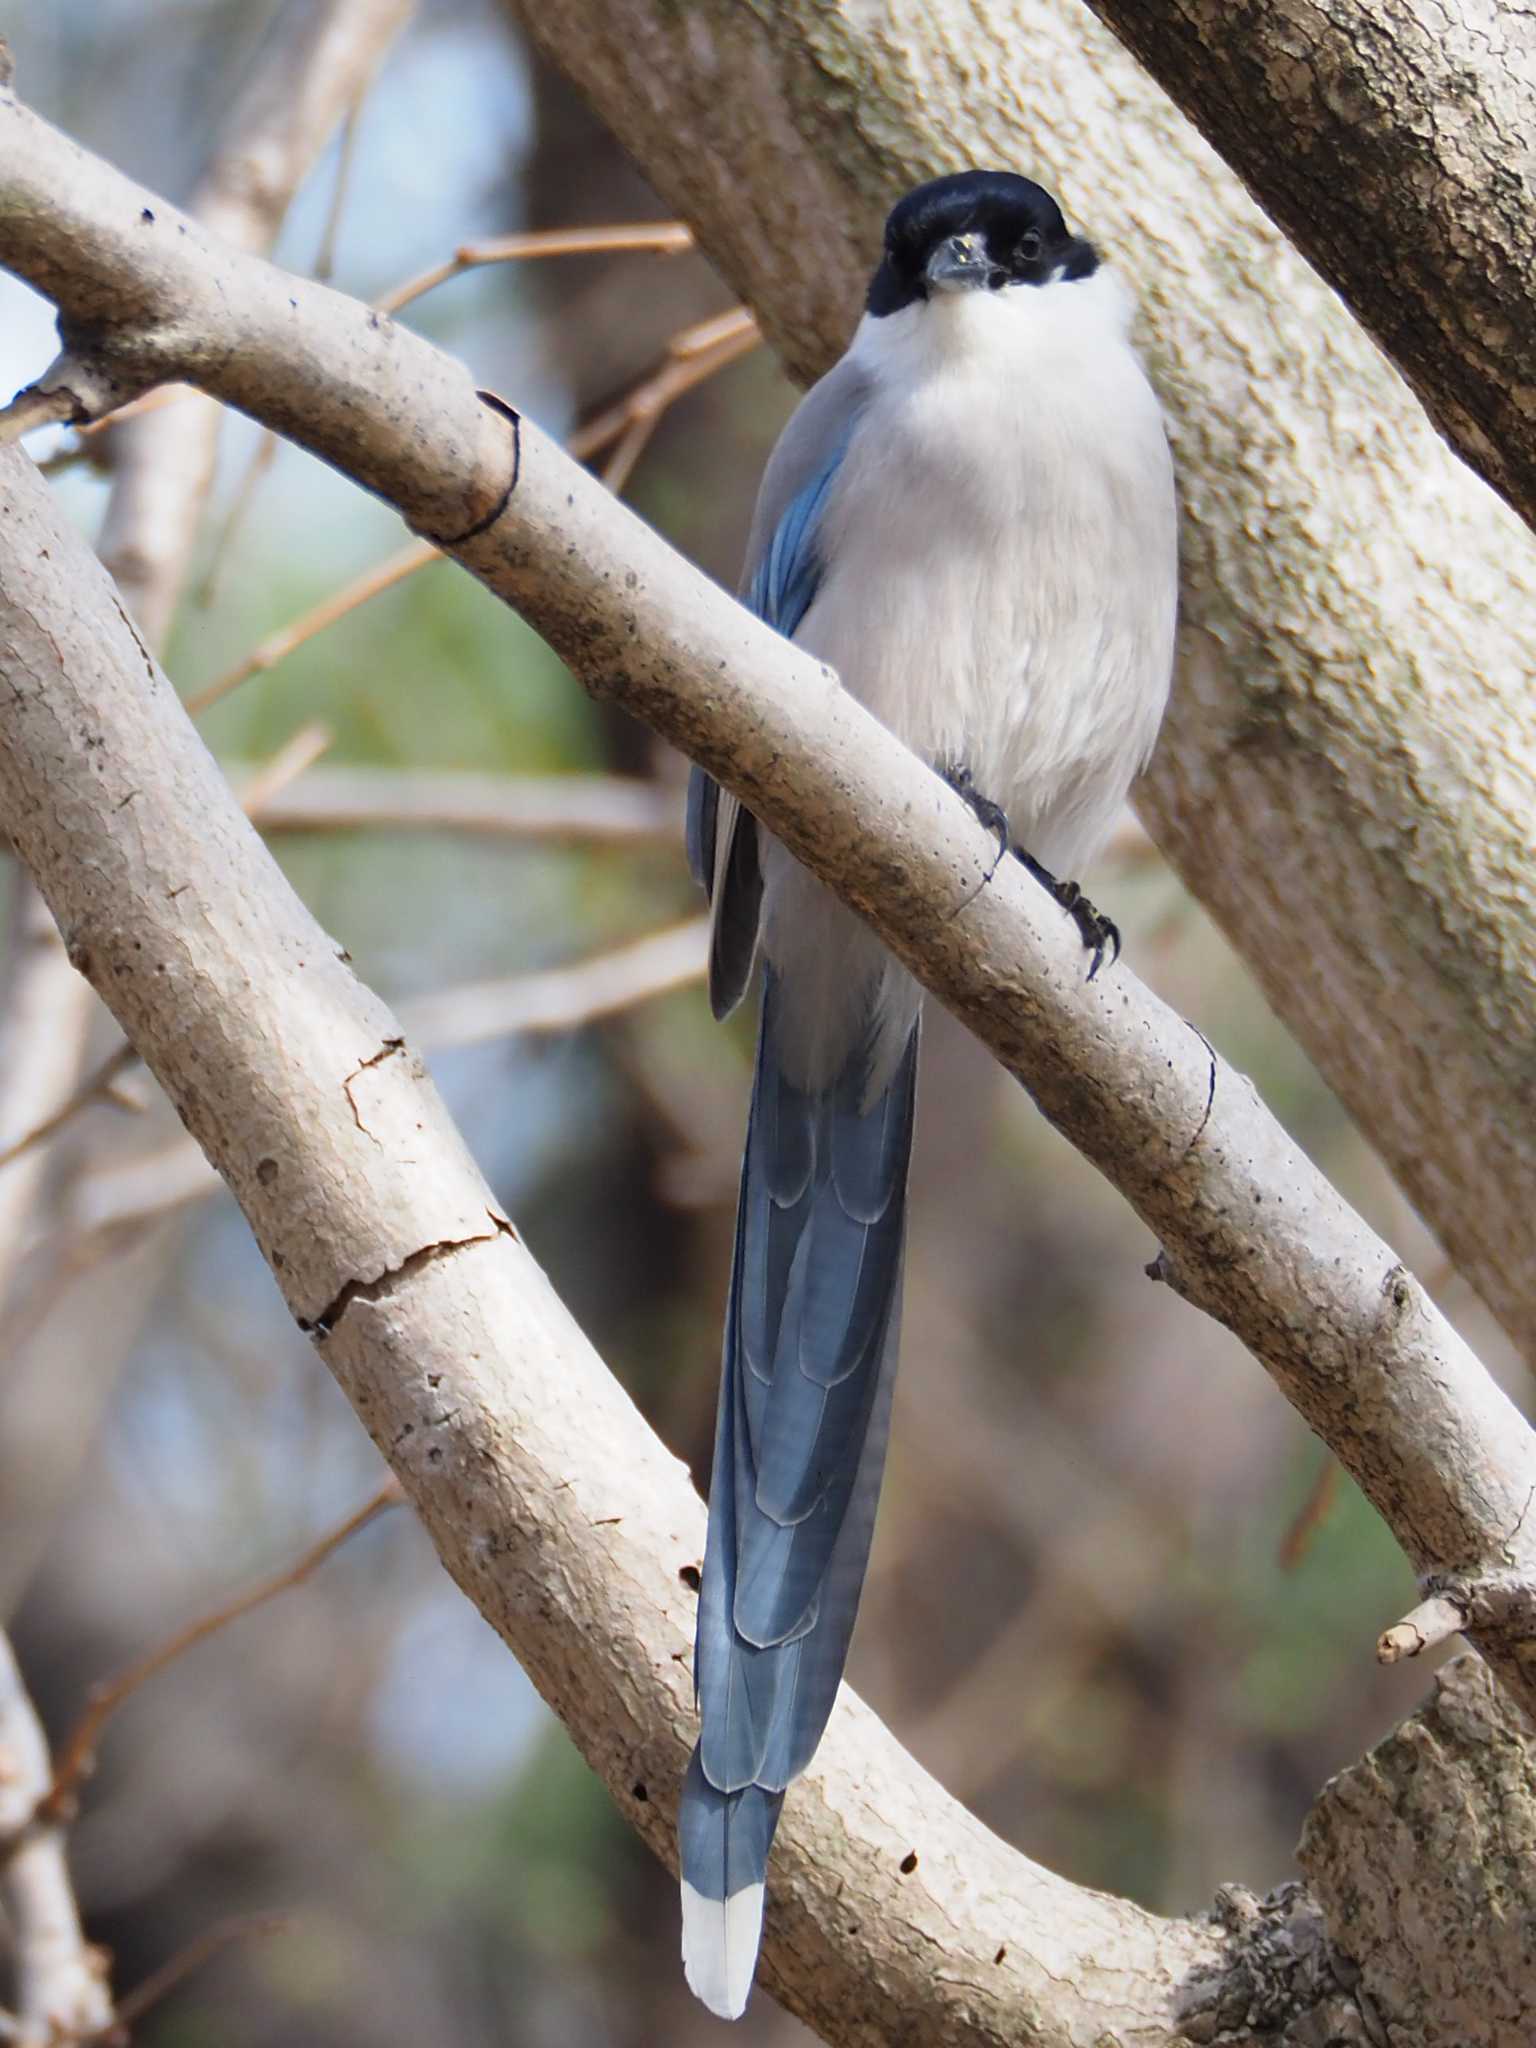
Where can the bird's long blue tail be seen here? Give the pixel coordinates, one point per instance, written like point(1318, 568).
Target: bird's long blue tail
point(809, 1360)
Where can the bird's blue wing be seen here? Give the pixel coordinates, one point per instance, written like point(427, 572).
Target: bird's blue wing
point(789, 570)
point(781, 586)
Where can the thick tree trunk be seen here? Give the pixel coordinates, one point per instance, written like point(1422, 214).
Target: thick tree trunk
point(1348, 773)
point(1395, 142)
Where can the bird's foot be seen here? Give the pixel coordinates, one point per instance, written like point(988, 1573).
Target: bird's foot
point(1100, 934)
point(988, 813)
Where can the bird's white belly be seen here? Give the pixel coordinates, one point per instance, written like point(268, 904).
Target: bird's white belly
point(1018, 622)
point(1015, 619)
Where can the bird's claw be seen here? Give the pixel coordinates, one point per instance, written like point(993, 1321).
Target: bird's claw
point(1100, 934)
point(987, 813)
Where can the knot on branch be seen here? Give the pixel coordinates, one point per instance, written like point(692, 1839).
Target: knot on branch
point(1485, 1603)
point(1279, 1978)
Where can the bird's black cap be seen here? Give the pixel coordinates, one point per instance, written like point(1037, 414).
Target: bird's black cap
point(1026, 239)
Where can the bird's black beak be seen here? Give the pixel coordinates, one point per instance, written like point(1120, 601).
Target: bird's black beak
point(961, 264)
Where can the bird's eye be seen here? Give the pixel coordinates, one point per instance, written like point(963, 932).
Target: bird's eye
point(1029, 247)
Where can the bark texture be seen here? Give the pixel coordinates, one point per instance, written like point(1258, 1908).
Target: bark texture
point(1359, 629)
point(1395, 142)
point(1433, 1834)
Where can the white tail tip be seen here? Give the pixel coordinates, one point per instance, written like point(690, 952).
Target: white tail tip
point(720, 1942)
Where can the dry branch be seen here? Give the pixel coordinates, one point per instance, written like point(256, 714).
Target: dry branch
point(661, 238)
point(563, 998)
point(61, 1981)
point(76, 1759)
point(590, 809)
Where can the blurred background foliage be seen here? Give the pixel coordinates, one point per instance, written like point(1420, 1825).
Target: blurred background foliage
point(1087, 1612)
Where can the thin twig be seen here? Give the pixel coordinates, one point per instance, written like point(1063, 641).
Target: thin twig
point(241, 500)
point(276, 646)
point(601, 809)
point(77, 1758)
point(292, 758)
point(563, 998)
point(1322, 1496)
point(88, 447)
point(631, 445)
point(686, 364)
point(1433, 1621)
point(693, 355)
point(136, 408)
point(663, 238)
point(31, 409)
point(92, 1089)
point(200, 1950)
point(323, 268)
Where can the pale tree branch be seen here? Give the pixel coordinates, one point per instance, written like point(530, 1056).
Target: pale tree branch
point(315, 62)
point(656, 237)
point(1359, 612)
point(563, 998)
point(592, 810)
point(1396, 145)
point(61, 1990)
point(321, 59)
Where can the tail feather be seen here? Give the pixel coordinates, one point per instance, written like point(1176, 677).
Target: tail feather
point(723, 1838)
point(810, 1351)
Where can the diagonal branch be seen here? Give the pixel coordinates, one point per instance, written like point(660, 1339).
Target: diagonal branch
point(556, 1509)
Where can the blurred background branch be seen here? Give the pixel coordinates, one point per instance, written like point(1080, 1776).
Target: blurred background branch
point(60, 1993)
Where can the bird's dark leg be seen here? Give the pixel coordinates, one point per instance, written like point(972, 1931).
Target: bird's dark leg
point(1100, 934)
point(992, 815)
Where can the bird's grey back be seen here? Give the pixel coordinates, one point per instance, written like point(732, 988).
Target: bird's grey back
point(821, 422)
